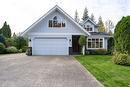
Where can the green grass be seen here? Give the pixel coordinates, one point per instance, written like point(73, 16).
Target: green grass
point(109, 74)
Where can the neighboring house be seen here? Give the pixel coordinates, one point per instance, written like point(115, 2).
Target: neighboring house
point(56, 33)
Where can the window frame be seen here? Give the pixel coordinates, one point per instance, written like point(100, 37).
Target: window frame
point(93, 43)
point(62, 21)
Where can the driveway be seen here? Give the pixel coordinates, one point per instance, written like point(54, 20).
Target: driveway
point(19, 70)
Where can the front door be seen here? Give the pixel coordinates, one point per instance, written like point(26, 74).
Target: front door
point(75, 44)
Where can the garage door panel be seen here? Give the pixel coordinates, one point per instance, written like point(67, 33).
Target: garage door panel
point(44, 46)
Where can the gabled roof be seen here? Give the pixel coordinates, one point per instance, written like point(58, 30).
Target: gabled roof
point(89, 19)
point(56, 7)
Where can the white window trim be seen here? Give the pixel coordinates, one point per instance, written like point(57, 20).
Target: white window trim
point(57, 27)
point(99, 42)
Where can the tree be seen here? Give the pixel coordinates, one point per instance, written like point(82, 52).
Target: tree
point(2, 39)
point(122, 35)
point(101, 27)
point(14, 35)
point(20, 42)
point(82, 43)
point(9, 42)
point(109, 26)
point(76, 17)
point(85, 14)
point(5, 30)
point(92, 17)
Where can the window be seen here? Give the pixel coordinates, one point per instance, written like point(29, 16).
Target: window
point(88, 28)
point(56, 22)
point(95, 43)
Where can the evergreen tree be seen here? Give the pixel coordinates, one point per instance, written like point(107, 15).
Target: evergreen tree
point(92, 17)
point(76, 17)
point(85, 14)
point(101, 27)
point(14, 35)
point(122, 35)
point(6, 31)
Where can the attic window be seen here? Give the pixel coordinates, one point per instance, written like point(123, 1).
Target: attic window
point(88, 28)
point(56, 22)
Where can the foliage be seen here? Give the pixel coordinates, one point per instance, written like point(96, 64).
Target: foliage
point(9, 42)
point(6, 31)
point(2, 48)
point(82, 40)
point(92, 17)
point(11, 49)
point(24, 49)
point(85, 14)
point(101, 27)
point(98, 52)
point(14, 35)
point(110, 45)
point(2, 39)
point(122, 35)
point(20, 50)
point(121, 58)
point(109, 26)
point(20, 42)
point(76, 17)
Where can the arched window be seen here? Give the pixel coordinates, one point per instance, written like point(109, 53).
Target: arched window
point(56, 22)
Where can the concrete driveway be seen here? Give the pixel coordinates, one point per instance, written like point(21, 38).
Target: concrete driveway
point(19, 70)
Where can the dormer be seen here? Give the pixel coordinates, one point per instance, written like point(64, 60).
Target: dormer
point(90, 25)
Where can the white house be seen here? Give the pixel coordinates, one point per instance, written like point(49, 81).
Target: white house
point(56, 33)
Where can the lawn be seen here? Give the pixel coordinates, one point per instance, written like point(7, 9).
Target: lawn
point(109, 74)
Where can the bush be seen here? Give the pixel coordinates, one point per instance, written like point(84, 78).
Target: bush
point(9, 42)
point(98, 52)
point(2, 48)
point(11, 49)
point(122, 35)
point(2, 39)
point(20, 50)
point(24, 49)
point(121, 58)
point(110, 45)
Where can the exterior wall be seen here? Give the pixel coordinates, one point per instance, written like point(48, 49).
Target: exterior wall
point(42, 27)
point(92, 25)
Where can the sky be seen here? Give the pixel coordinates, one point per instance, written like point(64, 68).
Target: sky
point(20, 14)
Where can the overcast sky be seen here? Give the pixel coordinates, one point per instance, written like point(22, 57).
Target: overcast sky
point(20, 14)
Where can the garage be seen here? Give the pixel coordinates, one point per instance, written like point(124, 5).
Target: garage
point(50, 46)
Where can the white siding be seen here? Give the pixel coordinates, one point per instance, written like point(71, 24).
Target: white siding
point(42, 27)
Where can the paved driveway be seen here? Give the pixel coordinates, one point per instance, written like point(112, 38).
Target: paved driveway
point(19, 70)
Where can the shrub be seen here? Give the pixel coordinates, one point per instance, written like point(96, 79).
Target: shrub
point(11, 49)
point(121, 58)
point(9, 42)
point(99, 52)
point(122, 35)
point(24, 49)
point(20, 42)
point(20, 50)
point(2, 48)
point(110, 45)
point(2, 39)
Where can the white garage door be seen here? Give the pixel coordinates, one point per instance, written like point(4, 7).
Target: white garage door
point(50, 46)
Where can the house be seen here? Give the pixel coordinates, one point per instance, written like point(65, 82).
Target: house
point(57, 33)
